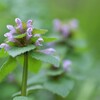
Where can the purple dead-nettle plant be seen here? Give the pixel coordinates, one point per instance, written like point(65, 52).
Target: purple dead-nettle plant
point(27, 41)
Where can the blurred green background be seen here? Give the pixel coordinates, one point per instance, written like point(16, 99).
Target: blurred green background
point(43, 12)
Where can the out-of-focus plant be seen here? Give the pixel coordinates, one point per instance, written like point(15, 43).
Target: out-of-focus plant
point(25, 43)
point(60, 80)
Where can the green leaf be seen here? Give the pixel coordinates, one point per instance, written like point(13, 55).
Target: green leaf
point(3, 60)
point(20, 36)
point(23, 98)
point(34, 65)
point(50, 39)
point(15, 51)
point(33, 39)
point(7, 67)
point(46, 58)
point(38, 78)
point(60, 87)
point(39, 31)
point(3, 53)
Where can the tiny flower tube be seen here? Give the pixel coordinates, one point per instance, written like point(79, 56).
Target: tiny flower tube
point(67, 65)
point(9, 36)
point(48, 51)
point(57, 24)
point(29, 33)
point(5, 46)
point(39, 41)
point(19, 24)
point(29, 24)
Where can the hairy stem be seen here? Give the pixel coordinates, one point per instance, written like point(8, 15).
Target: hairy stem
point(25, 74)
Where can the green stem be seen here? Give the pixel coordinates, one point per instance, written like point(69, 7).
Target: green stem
point(25, 74)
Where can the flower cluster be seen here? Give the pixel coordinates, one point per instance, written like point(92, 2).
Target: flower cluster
point(65, 29)
point(22, 35)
